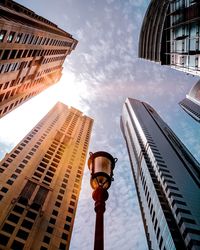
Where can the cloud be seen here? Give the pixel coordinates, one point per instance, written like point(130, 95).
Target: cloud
point(102, 72)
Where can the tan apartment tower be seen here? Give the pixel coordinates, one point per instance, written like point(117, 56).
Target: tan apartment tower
point(40, 182)
point(32, 52)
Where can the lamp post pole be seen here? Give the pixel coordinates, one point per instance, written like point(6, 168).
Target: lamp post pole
point(100, 195)
point(101, 165)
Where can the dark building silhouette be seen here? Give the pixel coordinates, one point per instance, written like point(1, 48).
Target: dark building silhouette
point(40, 182)
point(191, 104)
point(170, 34)
point(32, 52)
point(167, 179)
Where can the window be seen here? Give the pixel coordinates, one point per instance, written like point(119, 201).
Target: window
point(25, 38)
point(22, 234)
point(63, 186)
point(47, 179)
point(13, 218)
point(21, 166)
point(40, 169)
point(65, 180)
point(8, 228)
point(67, 227)
point(4, 190)
point(9, 160)
point(27, 224)
point(55, 212)
point(70, 210)
point(50, 230)
point(62, 246)
point(31, 215)
point(30, 39)
point(17, 245)
point(9, 182)
point(18, 209)
point(57, 204)
point(5, 165)
point(10, 37)
point(158, 233)
point(73, 197)
point(4, 239)
point(64, 236)
point(52, 221)
point(18, 37)
point(62, 191)
point(2, 35)
point(14, 176)
point(59, 197)
point(18, 171)
point(72, 203)
point(46, 239)
point(69, 219)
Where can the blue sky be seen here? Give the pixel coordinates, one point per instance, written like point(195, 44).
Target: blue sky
point(102, 72)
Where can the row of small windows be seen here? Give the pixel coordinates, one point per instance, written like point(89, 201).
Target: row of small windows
point(10, 67)
point(16, 54)
point(196, 113)
point(13, 37)
point(49, 70)
point(152, 212)
point(52, 74)
point(17, 103)
point(176, 5)
point(53, 59)
point(187, 61)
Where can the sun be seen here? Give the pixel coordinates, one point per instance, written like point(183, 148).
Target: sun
point(20, 121)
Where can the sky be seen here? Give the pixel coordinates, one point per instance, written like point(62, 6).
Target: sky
point(97, 78)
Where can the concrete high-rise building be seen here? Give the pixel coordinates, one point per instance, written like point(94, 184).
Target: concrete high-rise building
point(32, 52)
point(167, 179)
point(170, 34)
point(191, 104)
point(40, 182)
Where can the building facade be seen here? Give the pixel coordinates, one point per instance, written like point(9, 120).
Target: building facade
point(32, 52)
point(40, 182)
point(167, 179)
point(170, 34)
point(191, 104)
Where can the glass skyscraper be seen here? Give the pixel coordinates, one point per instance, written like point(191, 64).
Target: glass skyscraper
point(167, 179)
point(191, 104)
point(170, 34)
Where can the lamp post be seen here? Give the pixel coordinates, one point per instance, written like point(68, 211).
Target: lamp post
point(101, 165)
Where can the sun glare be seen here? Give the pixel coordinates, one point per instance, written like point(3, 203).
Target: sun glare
point(68, 91)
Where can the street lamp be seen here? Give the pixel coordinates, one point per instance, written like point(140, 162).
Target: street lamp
point(101, 165)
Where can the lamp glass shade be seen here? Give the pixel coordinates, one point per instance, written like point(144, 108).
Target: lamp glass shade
point(101, 169)
point(103, 165)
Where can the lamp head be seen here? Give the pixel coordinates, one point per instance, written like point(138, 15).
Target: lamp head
point(101, 165)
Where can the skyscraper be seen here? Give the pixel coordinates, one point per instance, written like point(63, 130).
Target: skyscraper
point(40, 182)
point(32, 52)
point(167, 179)
point(170, 34)
point(191, 104)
